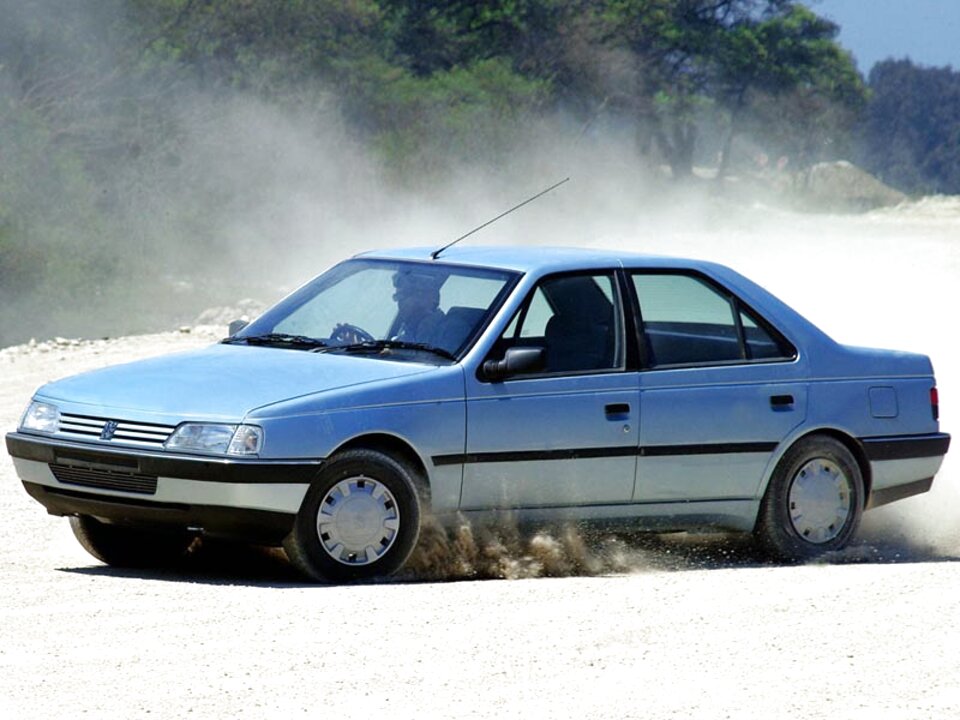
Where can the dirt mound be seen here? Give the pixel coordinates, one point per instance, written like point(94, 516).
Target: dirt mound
point(842, 186)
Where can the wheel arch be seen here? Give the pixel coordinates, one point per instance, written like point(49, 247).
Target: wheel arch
point(395, 447)
point(844, 438)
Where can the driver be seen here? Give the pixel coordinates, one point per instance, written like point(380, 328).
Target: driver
point(419, 317)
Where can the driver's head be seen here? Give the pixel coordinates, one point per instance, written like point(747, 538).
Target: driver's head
point(416, 292)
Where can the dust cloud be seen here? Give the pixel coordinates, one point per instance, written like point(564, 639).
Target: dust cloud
point(114, 223)
point(468, 551)
point(464, 552)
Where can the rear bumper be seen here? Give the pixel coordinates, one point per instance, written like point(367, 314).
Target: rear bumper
point(906, 447)
point(252, 500)
point(903, 466)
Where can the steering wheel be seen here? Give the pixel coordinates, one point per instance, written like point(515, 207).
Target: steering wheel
point(348, 334)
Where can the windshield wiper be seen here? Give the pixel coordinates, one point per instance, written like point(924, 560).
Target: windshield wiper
point(278, 339)
point(378, 345)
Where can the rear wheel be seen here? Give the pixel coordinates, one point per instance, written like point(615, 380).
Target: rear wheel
point(124, 546)
point(360, 519)
point(814, 502)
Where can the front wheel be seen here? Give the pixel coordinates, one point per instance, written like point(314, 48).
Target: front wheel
point(814, 501)
point(130, 547)
point(360, 519)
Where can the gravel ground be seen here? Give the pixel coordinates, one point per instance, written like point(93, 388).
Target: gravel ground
point(670, 627)
point(667, 627)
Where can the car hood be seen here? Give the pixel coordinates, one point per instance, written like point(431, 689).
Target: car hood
point(222, 382)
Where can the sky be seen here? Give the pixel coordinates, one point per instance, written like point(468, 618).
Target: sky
point(926, 31)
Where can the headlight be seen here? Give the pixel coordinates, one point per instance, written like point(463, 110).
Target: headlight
point(41, 417)
point(216, 439)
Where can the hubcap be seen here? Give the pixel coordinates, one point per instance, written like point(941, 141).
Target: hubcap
point(819, 501)
point(357, 521)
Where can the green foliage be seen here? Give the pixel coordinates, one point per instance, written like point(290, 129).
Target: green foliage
point(911, 133)
point(263, 45)
point(431, 37)
point(694, 58)
point(50, 229)
point(465, 114)
point(801, 89)
point(113, 111)
point(58, 117)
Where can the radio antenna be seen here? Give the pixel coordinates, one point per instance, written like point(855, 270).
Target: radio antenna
point(436, 253)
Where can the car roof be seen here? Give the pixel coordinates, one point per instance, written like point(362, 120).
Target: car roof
point(534, 258)
point(537, 261)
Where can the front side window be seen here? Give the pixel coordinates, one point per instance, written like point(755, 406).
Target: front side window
point(688, 321)
point(364, 305)
point(576, 319)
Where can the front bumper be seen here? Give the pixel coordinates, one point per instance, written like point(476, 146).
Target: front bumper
point(250, 499)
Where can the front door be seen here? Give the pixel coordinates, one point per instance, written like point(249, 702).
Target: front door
point(565, 433)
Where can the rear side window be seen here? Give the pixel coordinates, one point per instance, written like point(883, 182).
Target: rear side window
point(689, 321)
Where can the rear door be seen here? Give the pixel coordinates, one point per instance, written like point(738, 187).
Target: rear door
point(720, 390)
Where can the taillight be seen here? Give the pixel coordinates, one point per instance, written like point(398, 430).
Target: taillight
point(935, 403)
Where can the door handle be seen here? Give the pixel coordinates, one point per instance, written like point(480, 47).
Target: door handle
point(617, 410)
point(781, 401)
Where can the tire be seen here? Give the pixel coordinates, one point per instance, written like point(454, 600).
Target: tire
point(360, 519)
point(814, 501)
point(129, 547)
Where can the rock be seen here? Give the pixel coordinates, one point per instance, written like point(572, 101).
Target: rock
point(842, 186)
point(245, 309)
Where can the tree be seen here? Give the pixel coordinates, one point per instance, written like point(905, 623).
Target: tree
point(695, 57)
point(428, 37)
point(669, 44)
point(791, 53)
point(911, 132)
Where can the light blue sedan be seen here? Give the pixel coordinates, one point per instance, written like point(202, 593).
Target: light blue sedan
point(543, 385)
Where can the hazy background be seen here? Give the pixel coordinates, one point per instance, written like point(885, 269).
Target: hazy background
point(138, 188)
point(160, 158)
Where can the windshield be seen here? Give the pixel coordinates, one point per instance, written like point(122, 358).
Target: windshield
point(385, 306)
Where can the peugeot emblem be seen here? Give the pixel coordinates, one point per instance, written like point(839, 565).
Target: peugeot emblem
point(109, 428)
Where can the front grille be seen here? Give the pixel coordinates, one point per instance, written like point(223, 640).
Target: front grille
point(120, 431)
point(105, 479)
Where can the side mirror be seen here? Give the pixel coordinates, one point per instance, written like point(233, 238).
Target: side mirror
point(516, 361)
point(236, 326)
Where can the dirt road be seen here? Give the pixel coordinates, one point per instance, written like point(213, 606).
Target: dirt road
point(669, 628)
